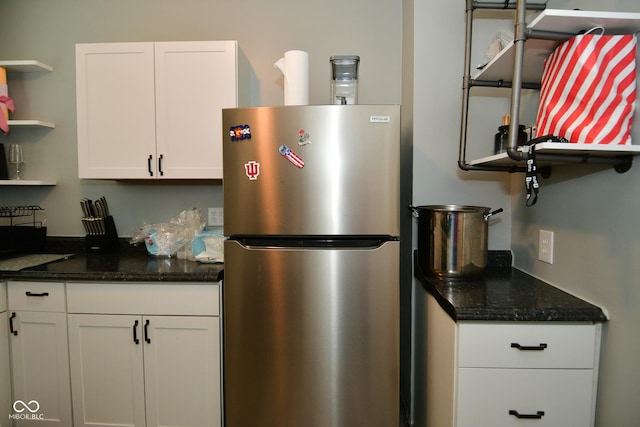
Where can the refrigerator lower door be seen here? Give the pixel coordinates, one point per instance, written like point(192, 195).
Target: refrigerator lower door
point(311, 336)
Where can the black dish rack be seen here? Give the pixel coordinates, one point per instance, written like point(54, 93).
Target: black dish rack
point(20, 231)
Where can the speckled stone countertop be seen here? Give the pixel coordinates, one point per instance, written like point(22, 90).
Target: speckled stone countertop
point(504, 293)
point(128, 264)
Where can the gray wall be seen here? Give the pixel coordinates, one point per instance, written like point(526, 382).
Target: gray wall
point(592, 209)
point(47, 31)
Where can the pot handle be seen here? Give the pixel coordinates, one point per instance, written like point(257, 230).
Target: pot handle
point(497, 211)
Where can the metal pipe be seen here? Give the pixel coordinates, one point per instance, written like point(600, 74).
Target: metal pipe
point(548, 35)
point(505, 5)
point(519, 40)
point(502, 83)
point(462, 154)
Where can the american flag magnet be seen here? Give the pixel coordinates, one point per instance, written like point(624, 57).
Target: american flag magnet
point(291, 156)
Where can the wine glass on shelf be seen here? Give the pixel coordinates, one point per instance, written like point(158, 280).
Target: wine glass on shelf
point(16, 157)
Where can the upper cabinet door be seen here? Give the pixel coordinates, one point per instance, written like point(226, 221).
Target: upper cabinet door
point(154, 110)
point(194, 82)
point(115, 93)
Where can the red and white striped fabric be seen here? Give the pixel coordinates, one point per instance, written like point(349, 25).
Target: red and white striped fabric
point(588, 90)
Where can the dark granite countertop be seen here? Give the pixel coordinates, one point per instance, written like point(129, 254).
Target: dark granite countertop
point(128, 264)
point(504, 293)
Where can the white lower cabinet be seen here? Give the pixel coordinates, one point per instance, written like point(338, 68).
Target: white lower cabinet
point(159, 366)
point(507, 374)
point(39, 354)
point(5, 375)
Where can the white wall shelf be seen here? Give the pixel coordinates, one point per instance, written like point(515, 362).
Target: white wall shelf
point(31, 123)
point(554, 20)
point(25, 66)
point(577, 150)
point(26, 182)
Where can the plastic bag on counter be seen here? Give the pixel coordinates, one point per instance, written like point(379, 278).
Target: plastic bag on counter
point(501, 40)
point(208, 247)
point(172, 238)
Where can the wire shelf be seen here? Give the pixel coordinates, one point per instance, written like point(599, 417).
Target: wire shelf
point(12, 212)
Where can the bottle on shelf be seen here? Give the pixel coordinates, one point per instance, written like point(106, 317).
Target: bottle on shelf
point(501, 140)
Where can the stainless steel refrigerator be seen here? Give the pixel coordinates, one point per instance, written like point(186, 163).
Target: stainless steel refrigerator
point(311, 278)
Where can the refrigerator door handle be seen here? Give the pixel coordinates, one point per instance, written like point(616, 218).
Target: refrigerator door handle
point(265, 242)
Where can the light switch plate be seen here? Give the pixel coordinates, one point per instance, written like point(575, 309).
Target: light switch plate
point(215, 217)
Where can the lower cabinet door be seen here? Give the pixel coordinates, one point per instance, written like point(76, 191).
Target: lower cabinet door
point(511, 397)
point(5, 375)
point(145, 371)
point(182, 371)
point(40, 368)
point(107, 372)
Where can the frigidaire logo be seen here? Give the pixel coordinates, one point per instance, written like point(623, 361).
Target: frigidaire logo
point(26, 411)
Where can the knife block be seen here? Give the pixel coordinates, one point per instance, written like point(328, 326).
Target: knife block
point(106, 242)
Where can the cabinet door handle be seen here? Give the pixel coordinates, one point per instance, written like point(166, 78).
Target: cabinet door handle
point(13, 331)
point(537, 415)
point(160, 164)
point(36, 294)
point(135, 333)
point(538, 347)
point(149, 165)
point(146, 332)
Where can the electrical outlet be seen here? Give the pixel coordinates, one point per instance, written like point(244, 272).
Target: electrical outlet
point(216, 217)
point(545, 246)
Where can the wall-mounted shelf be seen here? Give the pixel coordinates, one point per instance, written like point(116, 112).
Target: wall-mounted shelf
point(26, 182)
point(577, 150)
point(31, 123)
point(554, 21)
point(25, 66)
point(543, 33)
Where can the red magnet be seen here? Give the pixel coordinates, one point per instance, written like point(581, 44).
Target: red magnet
point(252, 170)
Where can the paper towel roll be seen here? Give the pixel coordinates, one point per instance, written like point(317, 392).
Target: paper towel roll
point(295, 68)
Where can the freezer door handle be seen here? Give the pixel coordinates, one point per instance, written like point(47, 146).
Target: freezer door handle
point(264, 242)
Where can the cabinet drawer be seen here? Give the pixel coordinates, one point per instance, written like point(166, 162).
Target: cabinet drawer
point(486, 397)
point(36, 296)
point(549, 345)
point(144, 298)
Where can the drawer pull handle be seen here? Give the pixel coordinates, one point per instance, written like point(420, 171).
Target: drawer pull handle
point(146, 332)
point(13, 331)
point(536, 416)
point(539, 347)
point(36, 294)
point(135, 333)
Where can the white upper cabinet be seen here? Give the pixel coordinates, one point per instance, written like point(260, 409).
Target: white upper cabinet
point(153, 110)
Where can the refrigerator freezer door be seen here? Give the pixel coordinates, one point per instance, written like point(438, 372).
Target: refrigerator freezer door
point(311, 336)
point(312, 170)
